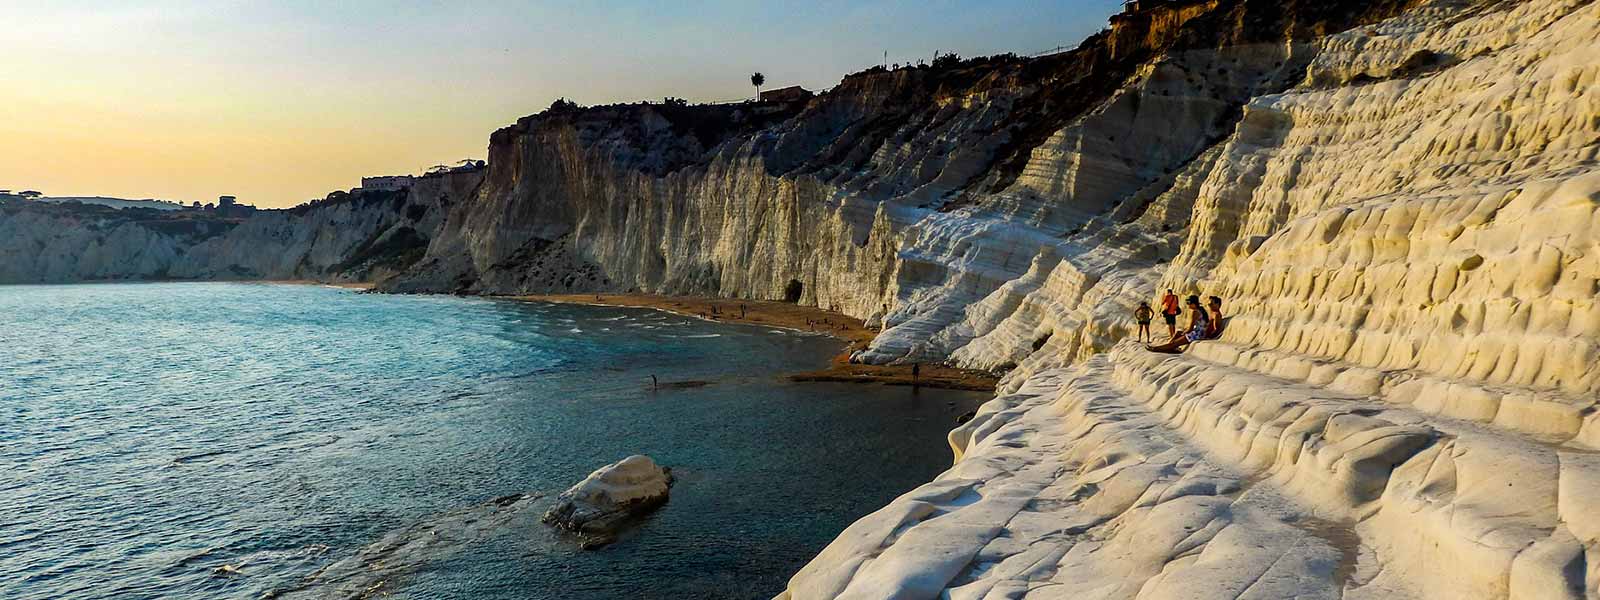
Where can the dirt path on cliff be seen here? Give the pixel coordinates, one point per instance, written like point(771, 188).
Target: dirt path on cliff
point(786, 315)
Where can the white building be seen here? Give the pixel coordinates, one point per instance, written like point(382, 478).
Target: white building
point(387, 182)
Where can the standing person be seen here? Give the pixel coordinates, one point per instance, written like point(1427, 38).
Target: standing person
point(1143, 314)
point(1169, 312)
point(1199, 325)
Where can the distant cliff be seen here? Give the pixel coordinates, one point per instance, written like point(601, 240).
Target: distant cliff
point(1398, 202)
point(359, 236)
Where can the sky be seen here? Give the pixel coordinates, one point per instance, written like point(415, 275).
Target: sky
point(284, 101)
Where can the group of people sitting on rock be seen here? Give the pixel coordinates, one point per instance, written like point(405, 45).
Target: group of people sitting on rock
point(1205, 322)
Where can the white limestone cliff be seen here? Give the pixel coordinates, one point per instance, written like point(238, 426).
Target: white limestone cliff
point(365, 236)
point(43, 247)
point(1404, 401)
point(1398, 201)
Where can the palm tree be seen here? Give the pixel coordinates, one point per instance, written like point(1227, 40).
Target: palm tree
point(756, 79)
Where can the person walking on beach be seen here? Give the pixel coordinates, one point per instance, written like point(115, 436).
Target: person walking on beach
point(1142, 315)
point(1169, 312)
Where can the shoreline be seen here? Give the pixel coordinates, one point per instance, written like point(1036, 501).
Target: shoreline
point(439, 362)
point(349, 285)
point(771, 313)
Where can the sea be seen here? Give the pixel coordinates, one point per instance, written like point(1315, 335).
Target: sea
point(248, 440)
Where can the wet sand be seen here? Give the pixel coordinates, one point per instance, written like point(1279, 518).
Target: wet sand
point(800, 318)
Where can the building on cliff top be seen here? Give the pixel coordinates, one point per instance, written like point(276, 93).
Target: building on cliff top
point(1133, 6)
point(387, 182)
point(793, 93)
point(1130, 7)
point(228, 207)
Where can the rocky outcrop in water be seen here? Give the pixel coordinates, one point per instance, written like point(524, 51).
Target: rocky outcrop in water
point(1398, 201)
point(379, 568)
point(604, 502)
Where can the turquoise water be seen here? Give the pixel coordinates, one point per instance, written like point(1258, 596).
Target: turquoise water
point(209, 440)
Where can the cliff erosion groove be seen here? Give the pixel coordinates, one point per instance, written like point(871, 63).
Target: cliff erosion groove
point(1398, 201)
point(1403, 403)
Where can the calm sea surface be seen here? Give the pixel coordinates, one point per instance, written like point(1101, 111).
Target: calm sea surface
point(210, 440)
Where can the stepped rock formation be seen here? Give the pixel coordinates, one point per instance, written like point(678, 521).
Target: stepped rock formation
point(1397, 201)
point(1404, 402)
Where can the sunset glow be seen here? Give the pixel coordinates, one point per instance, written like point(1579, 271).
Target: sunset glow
point(279, 103)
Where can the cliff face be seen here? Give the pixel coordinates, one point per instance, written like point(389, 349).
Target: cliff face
point(51, 244)
point(904, 197)
point(1403, 403)
point(1397, 203)
point(361, 237)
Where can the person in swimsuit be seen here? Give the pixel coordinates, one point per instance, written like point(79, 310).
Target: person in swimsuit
point(1214, 305)
point(1169, 311)
point(1199, 327)
point(1142, 315)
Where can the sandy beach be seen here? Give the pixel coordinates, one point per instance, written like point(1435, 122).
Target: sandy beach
point(800, 318)
point(349, 285)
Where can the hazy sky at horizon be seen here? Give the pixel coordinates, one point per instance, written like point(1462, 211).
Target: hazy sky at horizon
point(281, 102)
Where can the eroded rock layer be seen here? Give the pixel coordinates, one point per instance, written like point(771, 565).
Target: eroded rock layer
point(1403, 403)
point(1397, 203)
point(1396, 200)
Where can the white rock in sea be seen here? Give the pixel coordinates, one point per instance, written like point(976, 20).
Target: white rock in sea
point(1398, 202)
point(608, 497)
